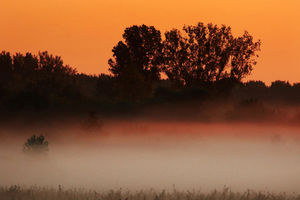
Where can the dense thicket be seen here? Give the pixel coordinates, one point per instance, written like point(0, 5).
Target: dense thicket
point(201, 62)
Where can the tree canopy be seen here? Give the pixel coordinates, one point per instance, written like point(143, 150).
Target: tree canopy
point(207, 53)
point(136, 62)
point(148, 70)
point(146, 66)
point(141, 48)
point(197, 54)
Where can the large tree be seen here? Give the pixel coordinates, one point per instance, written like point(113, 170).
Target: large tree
point(207, 53)
point(136, 61)
point(142, 48)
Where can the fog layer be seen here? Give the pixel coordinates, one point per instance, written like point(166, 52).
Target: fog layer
point(143, 155)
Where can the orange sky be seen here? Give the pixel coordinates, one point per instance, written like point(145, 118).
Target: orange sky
point(83, 32)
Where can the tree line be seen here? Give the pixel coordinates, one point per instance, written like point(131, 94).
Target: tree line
point(197, 62)
point(196, 56)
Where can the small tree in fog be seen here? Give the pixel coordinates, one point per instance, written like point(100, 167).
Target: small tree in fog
point(36, 145)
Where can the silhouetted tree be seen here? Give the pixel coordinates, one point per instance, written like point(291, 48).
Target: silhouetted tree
point(5, 68)
point(281, 85)
point(255, 84)
point(54, 65)
point(25, 65)
point(254, 89)
point(176, 58)
point(142, 48)
point(31, 81)
point(136, 61)
point(207, 54)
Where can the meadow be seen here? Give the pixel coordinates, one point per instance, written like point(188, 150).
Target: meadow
point(16, 192)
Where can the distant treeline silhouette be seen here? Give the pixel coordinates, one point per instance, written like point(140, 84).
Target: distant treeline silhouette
point(197, 63)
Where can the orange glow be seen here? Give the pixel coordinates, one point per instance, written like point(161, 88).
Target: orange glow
point(84, 32)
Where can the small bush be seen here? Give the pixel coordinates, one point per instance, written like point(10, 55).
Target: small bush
point(36, 145)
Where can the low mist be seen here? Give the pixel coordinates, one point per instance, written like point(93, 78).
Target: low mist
point(144, 155)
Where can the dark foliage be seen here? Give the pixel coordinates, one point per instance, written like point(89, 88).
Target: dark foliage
point(136, 62)
point(202, 63)
point(207, 53)
point(36, 145)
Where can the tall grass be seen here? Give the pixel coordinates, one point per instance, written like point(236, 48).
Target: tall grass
point(43, 193)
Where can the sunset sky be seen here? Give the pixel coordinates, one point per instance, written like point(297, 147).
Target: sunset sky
point(84, 32)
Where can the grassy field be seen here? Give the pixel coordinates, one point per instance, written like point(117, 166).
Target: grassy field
point(41, 193)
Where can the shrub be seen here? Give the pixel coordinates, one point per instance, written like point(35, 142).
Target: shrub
point(36, 145)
